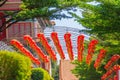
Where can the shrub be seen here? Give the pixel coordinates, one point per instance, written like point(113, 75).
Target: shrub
point(14, 66)
point(85, 72)
point(40, 74)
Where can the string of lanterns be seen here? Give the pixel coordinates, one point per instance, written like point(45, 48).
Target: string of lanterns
point(115, 68)
point(19, 46)
point(34, 46)
point(67, 38)
point(54, 36)
point(56, 42)
point(80, 48)
point(46, 45)
point(110, 70)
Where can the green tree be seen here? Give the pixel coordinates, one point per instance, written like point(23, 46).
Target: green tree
point(50, 9)
point(40, 74)
point(102, 20)
point(55, 70)
point(14, 66)
point(85, 72)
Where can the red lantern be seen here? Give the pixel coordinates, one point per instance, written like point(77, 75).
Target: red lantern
point(107, 74)
point(101, 55)
point(113, 59)
point(56, 42)
point(80, 47)
point(46, 45)
point(91, 48)
point(69, 45)
point(34, 46)
point(19, 46)
point(108, 65)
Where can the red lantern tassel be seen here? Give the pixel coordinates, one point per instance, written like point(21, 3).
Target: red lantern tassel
point(80, 47)
point(46, 45)
point(56, 42)
point(34, 46)
point(101, 55)
point(69, 45)
point(91, 48)
point(20, 47)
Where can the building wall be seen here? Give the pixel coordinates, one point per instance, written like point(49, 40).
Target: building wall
point(11, 5)
point(18, 30)
point(2, 34)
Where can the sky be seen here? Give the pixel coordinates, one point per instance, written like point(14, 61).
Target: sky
point(69, 22)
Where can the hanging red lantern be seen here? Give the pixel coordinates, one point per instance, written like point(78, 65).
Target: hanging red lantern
point(113, 59)
point(56, 42)
point(69, 45)
point(101, 55)
point(91, 48)
point(107, 74)
point(34, 46)
point(80, 47)
point(108, 65)
point(46, 45)
point(20, 47)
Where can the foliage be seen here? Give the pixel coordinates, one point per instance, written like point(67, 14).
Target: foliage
point(40, 74)
point(101, 19)
point(55, 70)
point(85, 72)
point(88, 72)
point(30, 9)
point(14, 66)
